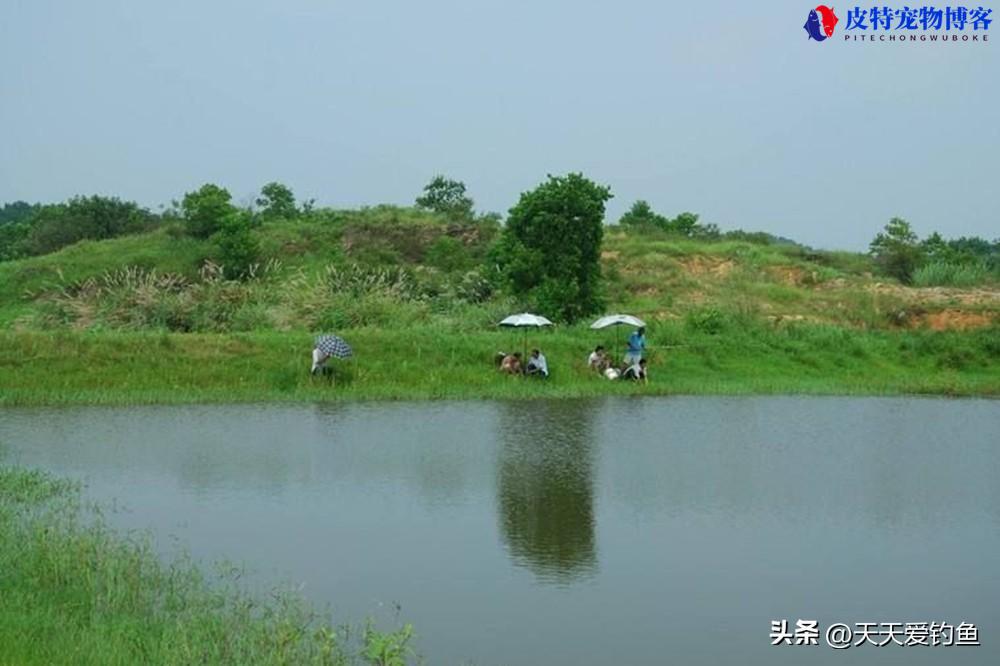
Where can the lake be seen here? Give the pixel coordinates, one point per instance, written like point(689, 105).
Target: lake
point(614, 531)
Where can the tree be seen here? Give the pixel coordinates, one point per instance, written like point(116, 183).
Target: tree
point(55, 226)
point(206, 209)
point(446, 196)
point(549, 253)
point(897, 251)
point(685, 224)
point(16, 211)
point(238, 249)
point(642, 215)
point(277, 201)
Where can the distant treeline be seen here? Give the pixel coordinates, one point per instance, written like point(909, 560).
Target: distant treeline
point(208, 213)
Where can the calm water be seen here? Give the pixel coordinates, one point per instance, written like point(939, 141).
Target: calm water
point(633, 531)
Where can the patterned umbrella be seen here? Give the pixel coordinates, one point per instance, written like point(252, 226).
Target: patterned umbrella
point(334, 346)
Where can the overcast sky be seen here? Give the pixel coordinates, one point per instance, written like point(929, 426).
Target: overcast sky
point(725, 109)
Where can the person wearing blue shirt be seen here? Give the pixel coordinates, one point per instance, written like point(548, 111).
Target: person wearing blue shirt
point(636, 346)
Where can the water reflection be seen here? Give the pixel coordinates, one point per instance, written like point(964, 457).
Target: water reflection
point(545, 487)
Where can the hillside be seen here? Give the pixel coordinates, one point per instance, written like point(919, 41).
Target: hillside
point(150, 319)
point(389, 266)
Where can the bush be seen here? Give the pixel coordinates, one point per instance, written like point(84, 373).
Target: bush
point(239, 250)
point(448, 254)
point(896, 251)
point(206, 210)
point(706, 320)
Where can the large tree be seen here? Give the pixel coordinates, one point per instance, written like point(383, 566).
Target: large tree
point(551, 246)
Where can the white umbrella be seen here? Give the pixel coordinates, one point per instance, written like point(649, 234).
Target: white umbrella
point(525, 320)
point(618, 320)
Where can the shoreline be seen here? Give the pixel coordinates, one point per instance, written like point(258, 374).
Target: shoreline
point(147, 368)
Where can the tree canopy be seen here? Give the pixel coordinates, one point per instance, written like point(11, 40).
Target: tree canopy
point(446, 196)
point(549, 253)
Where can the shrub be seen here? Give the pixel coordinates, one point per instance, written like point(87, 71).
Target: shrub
point(206, 209)
point(448, 254)
point(896, 250)
point(239, 250)
point(706, 320)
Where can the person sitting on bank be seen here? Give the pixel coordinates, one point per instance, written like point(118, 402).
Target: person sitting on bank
point(636, 346)
point(637, 372)
point(511, 364)
point(537, 365)
point(598, 359)
point(319, 362)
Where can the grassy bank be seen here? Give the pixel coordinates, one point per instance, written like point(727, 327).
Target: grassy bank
point(73, 592)
point(715, 355)
point(143, 319)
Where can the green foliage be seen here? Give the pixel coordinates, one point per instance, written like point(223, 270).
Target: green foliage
point(641, 214)
point(946, 274)
point(550, 249)
point(446, 196)
point(388, 649)
point(277, 202)
point(51, 227)
point(16, 211)
point(897, 251)
point(966, 251)
point(239, 250)
point(12, 240)
point(711, 321)
point(133, 298)
point(643, 219)
point(684, 224)
point(76, 591)
point(448, 254)
point(206, 210)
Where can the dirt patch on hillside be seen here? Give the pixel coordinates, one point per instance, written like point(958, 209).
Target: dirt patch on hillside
point(978, 296)
point(610, 255)
point(953, 320)
point(793, 276)
point(715, 267)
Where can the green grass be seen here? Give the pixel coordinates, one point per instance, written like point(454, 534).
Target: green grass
point(945, 274)
point(712, 354)
point(74, 592)
point(430, 332)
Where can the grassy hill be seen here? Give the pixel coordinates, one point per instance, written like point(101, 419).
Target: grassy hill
point(150, 318)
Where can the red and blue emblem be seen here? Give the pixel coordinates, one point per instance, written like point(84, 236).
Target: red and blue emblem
point(820, 23)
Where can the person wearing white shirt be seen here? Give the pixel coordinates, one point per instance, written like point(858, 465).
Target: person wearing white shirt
point(319, 361)
point(598, 359)
point(537, 365)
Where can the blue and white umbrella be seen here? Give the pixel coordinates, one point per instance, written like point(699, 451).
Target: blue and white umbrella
point(333, 345)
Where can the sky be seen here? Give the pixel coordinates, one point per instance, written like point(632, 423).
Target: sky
point(725, 109)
